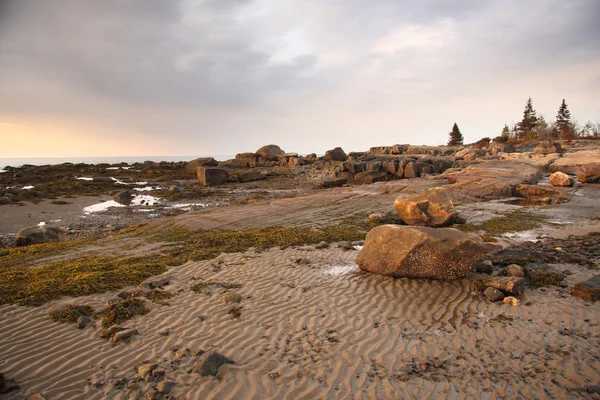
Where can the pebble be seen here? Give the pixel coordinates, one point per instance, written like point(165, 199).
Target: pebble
point(165, 387)
point(493, 294)
point(232, 297)
point(513, 301)
point(83, 321)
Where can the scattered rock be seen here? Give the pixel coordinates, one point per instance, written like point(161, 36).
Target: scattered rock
point(251, 175)
point(210, 176)
point(561, 179)
point(232, 297)
point(493, 294)
point(513, 301)
point(36, 235)
point(83, 321)
point(124, 335)
point(515, 270)
point(589, 289)
point(509, 285)
point(433, 207)
point(485, 267)
point(209, 363)
point(175, 189)
point(543, 274)
point(165, 387)
point(145, 370)
point(322, 245)
point(123, 197)
point(366, 178)
point(420, 252)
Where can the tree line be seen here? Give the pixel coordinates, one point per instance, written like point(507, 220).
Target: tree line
point(535, 127)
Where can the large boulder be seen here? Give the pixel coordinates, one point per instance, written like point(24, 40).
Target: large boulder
point(36, 235)
point(589, 173)
point(561, 179)
point(270, 152)
point(433, 207)
point(420, 252)
point(547, 147)
point(336, 154)
point(209, 176)
point(193, 165)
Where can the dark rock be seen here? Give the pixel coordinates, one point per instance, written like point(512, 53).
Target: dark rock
point(209, 176)
point(520, 257)
point(543, 274)
point(5, 200)
point(420, 252)
point(102, 179)
point(270, 152)
point(432, 207)
point(123, 197)
point(589, 289)
point(513, 286)
point(485, 267)
point(36, 235)
point(175, 189)
point(593, 389)
point(329, 183)
point(336, 154)
point(209, 363)
point(251, 175)
point(411, 171)
point(365, 178)
point(83, 321)
point(493, 294)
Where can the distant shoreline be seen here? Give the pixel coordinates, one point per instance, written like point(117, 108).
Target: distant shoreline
point(19, 161)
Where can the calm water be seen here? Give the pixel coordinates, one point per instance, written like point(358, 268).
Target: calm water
point(16, 162)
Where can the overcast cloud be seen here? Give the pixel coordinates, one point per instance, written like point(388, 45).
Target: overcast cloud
point(197, 77)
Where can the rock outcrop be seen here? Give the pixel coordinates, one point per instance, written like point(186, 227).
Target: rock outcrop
point(589, 173)
point(547, 147)
point(420, 252)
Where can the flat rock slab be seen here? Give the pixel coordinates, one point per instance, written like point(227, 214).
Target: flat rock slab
point(589, 289)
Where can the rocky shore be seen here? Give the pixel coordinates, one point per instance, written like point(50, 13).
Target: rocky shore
point(398, 272)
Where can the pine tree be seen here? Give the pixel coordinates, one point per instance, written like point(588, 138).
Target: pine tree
point(529, 121)
point(563, 122)
point(456, 138)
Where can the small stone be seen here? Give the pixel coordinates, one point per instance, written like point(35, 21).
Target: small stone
point(589, 289)
point(165, 387)
point(437, 363)
point(146, 369)
point(159, 283)
point(322, 245)
point(485, 267)
point(593, 389)
point(209, 363)
point(232, 297)
point(515, 270)
point(83, 321)
point(124, 335)
point(493, 294)
point(164, 332)
point(123, 295)
point(114, 299)
point(513, 301)
point(274, 375)
point(375, 217)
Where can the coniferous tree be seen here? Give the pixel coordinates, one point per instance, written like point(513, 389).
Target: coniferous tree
point(456, 138)
point(529, 121)
point(563, 122)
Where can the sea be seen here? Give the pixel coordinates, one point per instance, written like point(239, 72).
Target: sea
point(19, 161)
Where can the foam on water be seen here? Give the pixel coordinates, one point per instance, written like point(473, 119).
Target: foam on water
point(83, 178)
point(144, 199)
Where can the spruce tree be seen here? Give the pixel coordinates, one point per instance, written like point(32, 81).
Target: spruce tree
point(563, 122)
point(529, 121)
point(505, 135)
point(456, 138)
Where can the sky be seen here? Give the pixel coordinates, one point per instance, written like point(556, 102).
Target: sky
point(207, 77)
